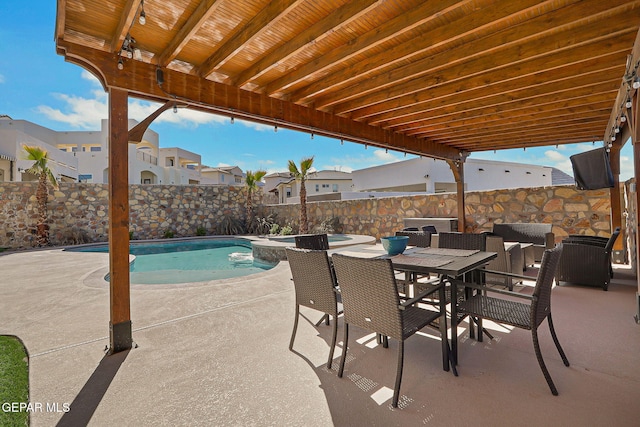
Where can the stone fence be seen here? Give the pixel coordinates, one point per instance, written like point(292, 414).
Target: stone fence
point(78, 211)
point(571, 211)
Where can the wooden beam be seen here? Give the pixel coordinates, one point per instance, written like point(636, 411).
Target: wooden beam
point(457, 167)
point(120, 312)
point(339, 17)
point(139, 79)
point(137, 132)
point(126, 18)
point(614, 197)
point(204, 10)
point(271, 13)
point(61, 18)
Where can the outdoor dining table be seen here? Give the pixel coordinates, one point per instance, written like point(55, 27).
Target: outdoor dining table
point(446, 263)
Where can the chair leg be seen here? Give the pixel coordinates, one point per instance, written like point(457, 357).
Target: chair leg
point(333, 341)
point(324, 318)
point(545, 372)
point(555, 340)
point(396, 390)
point(344, 349)
point(295, 327)
point(385, 341)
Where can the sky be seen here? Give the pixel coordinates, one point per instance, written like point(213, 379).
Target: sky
point(37, 85)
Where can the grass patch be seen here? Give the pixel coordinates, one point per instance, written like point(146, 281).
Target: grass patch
point(14, 380)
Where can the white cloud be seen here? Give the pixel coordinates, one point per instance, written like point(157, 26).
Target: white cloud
point(255, 126)
point(385, 156)
point(626, 168)
point(554, 156)
point(2, 79)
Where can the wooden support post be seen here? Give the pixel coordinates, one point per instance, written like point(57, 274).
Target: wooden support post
point(457, 167)
point(616, 203)
point(634, 122)
point(120, 312)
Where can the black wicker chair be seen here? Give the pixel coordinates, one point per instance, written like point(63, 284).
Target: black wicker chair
point(429, 228)
point(315, 287)
point(318, 242)
point(468, 241)
point(523, 315)
point(586, 260)
point(417, 238)
point(371, 302)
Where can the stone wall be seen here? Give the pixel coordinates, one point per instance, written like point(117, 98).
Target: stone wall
point(78, 212)
point(571, 211)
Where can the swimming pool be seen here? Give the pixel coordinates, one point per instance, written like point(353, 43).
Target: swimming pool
point(186, 261)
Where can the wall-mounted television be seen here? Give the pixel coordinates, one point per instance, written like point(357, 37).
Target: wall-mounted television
point(592, 170)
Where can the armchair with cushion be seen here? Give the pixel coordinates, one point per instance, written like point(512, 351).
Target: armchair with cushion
point(539, 235)
point(586, 260)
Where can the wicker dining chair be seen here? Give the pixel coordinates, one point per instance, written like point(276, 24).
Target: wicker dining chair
point(417, 238)
point(318, 242)
point(523, 315)
point(371, 302)
point(315, 288)
point(468, 241)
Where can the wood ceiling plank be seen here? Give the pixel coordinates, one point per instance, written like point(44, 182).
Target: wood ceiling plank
point(204, 10)
point(600, 92)
point(341, 16)
point(528, 56)
point(433, 40)
point(528, 142)
point(478, 88)
point(510, 128)
point(267, 16)
point(399, 25)
point(504, 126)
point(574, 106)
point(126, 19)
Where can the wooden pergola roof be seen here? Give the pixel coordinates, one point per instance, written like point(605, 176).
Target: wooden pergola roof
point(437, 78)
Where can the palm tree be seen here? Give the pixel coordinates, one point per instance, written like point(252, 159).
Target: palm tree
point(40, 168)
point(251, 182)
point(301, 174)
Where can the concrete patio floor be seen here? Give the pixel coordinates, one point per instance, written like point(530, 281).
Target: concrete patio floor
point(217, 354)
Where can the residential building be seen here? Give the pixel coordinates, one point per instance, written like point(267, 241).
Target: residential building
point(83, 156)
point(435, 176)
point(320, 185)
point(225, 175)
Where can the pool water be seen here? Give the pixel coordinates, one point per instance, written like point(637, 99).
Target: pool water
point(188, 261)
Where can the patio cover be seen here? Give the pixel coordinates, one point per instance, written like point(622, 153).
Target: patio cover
point(439, 78)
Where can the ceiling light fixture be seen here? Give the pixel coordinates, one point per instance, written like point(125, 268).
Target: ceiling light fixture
point(628, 103)
point(636, 83)
point(143, 16)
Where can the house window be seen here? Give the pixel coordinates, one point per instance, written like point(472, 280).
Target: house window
point(96, 148)
point(288, 191)
point(146, 181)
point(317, 187)
point(325, 185)
point(334, 188)
point(238, 180)
point(221, 178)
point(85, 178)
